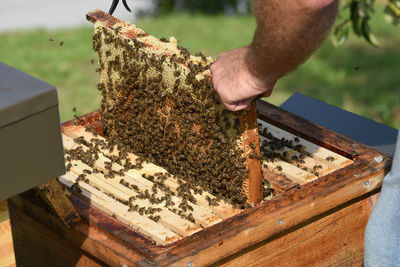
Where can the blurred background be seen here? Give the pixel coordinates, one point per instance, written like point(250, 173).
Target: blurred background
point(51, 40)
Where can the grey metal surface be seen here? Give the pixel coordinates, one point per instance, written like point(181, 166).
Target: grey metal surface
point(363, 130)
point(22, 95)
point(31, 151)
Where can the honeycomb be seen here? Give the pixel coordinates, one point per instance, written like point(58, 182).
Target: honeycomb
point(158, 102)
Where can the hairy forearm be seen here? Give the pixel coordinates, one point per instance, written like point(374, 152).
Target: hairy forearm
point(288, 31)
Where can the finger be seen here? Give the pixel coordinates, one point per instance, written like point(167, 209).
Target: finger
point(248, 103)
point(213, 68)
point(223, 54)
point(220, 56)
point(233, 107)
point(238, 105)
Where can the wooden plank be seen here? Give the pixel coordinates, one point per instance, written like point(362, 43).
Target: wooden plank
point(202, 216)
point(7, 257)
point(333, 240)
point(133, 219)
point(310, 131)
point(317, 151)
point(169, 219)
point(3, 211)
point(55, 197)
point(279, 183)
point(8, 261)
point(97, 235)
point(292, 172)
point(133, 176)
point(98, 180)
point(251, 145)
point(278, 215)
point(309, 162)
point(37, 245)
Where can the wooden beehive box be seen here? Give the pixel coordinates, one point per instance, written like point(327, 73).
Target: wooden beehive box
point(311, 220)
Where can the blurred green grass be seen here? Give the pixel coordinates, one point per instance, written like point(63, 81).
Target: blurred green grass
point(356, 77)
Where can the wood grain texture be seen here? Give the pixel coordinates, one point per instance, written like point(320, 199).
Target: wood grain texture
point(91, 120)
point(279, 183)
point(333, 240)
point(54, 195)
point(295, 205)
point(266, 221)
point(7, 257)
point(3, 211)
point(135, 177)
point(36, 245)
point(319, 153)
point(82, 238)
point(142, 224)
point(309, 130)
point(252, 186)
point(245, 230)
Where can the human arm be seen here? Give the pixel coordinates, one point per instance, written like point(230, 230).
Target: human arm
point(287, 32)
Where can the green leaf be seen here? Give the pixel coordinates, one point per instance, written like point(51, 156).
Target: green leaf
point(370, 5)
point(390, 17)
point(368, 35)
point(396, 3)
point(362, 9)
point(395, 9)
point(340, 35)
point(355, 17)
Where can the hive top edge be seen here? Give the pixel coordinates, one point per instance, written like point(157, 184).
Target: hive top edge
point(22, 95)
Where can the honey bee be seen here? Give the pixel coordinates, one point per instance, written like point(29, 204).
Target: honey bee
point(317, 167)
point(330, 158)
point(253, 155)
point(252, 145)
point(278, 168)
point(177, 73)
point(87, 171)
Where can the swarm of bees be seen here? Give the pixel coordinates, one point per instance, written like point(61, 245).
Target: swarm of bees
point(163, 108)
point(170, 115)
point(274, 149)
point(91, 155)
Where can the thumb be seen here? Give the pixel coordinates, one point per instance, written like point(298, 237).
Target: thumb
point(249, 103)
point(245, 104)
